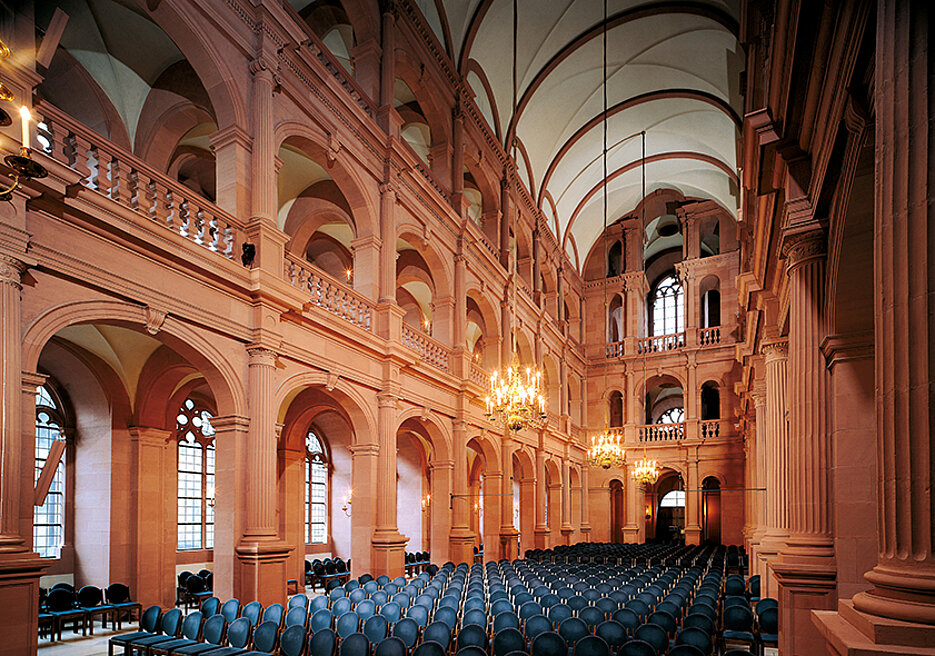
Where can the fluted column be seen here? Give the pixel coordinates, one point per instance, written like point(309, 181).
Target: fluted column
point(441, 510)
point(388, 70)
point(566, 528)
point(388, 245)
point(12, 458)
point(508, 532)
point(634, 528)
point(904, 281)
point(585, 527)
point(775, 432)
point(693, 494)
point(505, 221)
point(805, 568)
point(542, 527)
point(389, 546)
point(506, 330)
point(457, 159)
point(462, 537)
point(758, 480)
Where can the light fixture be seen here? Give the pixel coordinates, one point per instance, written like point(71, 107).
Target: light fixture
point(515, 400)
point(349, 275)
point(5, 94)
point(24, 168)
point(646, 471)
point(607, 450)
point(426, 502)
point(348, 499)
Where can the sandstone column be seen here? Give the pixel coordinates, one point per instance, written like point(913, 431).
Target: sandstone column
point(389, 546)
point(440, 510)
point(462, 538)
point(505, 220)
point(260, 571)
point(585, 506)
point(758, 482)
point(508, 533)
point(566, 502)
point(542, 527)
point(805, 568)
point(776, 440)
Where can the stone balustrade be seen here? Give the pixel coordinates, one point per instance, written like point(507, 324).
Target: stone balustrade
point(430, 350)
point(661, 432)
point(328, 293)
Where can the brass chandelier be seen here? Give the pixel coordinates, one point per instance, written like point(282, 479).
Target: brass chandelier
point(646, 471)
point(515, 398)
point(607, 450)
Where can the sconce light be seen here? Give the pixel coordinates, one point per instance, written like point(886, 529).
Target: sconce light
point(5, 94)
point(649, 512)
point(427, 326)
point(348, 499)
point(349, 275)
point(426, 502)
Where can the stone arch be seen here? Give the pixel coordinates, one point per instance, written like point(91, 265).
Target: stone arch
point(487, 449)
point(222, 376)
point(357, 408)
point(439, 263)
point(435, 431)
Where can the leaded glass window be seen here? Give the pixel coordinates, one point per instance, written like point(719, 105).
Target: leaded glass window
point(668, 307)
point(195, 476)
point(49, 518)
point(316, 490)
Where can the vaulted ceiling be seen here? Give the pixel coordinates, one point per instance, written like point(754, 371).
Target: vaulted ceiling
point(673, 71)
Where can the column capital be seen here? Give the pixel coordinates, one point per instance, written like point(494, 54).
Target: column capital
point(387, 399)
point(11, 271)
point(389, 190)
point(228, 423)
point(262, 356)
point(776, 350)
point(441, 465)
point(32, 380)
point(146, 436)
point(801, 247)
point(364, 450)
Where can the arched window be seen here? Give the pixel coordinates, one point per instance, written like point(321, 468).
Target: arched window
point(316, 490)
point(672, 416)
point(49, 518)
point(668, 307)
point(195, 435)
point(673, 499)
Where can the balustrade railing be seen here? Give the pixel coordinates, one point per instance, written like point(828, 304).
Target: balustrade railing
point(478, 375)
point(660, 343)
point(328, 293)
point(661, 432)
point(430, 350)
point(709, 429)
point(613, 350)
point(127, 180)
point(709, 336)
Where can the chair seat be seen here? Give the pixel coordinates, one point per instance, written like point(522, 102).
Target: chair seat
point(175, 643)
point(130, 637)
point(196, 650)
point(743, 636)
point(151, 641)
point(227, 651)
point(769, 637)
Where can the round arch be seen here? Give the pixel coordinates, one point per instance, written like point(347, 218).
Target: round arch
point(437, 433)
point(346, 396)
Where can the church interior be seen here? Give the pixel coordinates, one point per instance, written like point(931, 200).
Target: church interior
point(600, 316)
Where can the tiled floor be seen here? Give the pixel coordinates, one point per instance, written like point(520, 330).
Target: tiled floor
point(74, 644)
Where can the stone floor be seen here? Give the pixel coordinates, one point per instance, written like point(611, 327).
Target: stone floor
point(74, 644)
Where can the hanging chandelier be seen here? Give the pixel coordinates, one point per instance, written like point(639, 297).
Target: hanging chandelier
point(646, 471)
point(607, 450)
point(515, 399)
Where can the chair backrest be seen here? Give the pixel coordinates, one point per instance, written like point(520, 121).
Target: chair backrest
point(407, 629)
point(627, 618)
point(366, 608)
point(183, 577)
point(695, 637)
point(321, 619)
point(298, 601)
point(663, 619)
point(230, 609)
point(351, 584)
point(60, 599)
point(273, 613)
point(769, 621)
point(654, 635)
point(340, 606)
point(380, 597)
point(392, 611)
point(149, 620)
point(766, 603)
point(347, 624)
point(89, 596)
point(210, 606)
point(472, 603)
point(440, 632)
point(171, 621)
point(238, 633)
point(637, 647)
point(296, 617)
point(195, 584)
point(592, 645)
point(214, 629)
point(191, 625)
point(376, 628)
point(738, 618)
point(390, 646)
point(356, 644)
point(559, 613)
point(252, 612)
point(699, 621)
point(638, 606)
point(337, 592)
point(382, 580)
point(266, 636)
point(548, 643)
point(357, 595)
point(292, 641)
point(607, 605)
point(418, 613)
point(117, 593)
point(613, 633)
point(475, 616)
point(322, 643)
point(472, 634)
point(507, 640)
point(317, 602)
point(505, 620)
point(592, 615)
point(204, 573)
point(573, 629)
point(429, 648)
point(535, 625)
point(578, 602)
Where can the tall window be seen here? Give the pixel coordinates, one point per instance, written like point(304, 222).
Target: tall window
point(49, 518)
point(196, 476)
point(316, 490)
point(668, 307)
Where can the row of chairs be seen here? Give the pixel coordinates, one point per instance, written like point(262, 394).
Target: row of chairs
point(322, 572)
point(61, 607)
point(417, 561)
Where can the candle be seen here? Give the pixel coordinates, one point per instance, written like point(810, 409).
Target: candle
point(24, 113)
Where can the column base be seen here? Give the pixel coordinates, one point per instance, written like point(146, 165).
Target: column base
point(849, 632)
point(542, 538)
point(585, 530)
point(805, 584)
point(461, 546)
point(509, 547)
point(388, 549)
point(693, 535)
point(898, 596)
point(566, 534)
point(631, 534)
point(260, 570)
point(19, 597)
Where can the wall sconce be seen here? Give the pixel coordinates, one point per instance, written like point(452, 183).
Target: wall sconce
point(426, 502)
point(22, 165)
point(427, 326)
point(349, 275)
point(348, 499)
point(649, 512)
point(5, 94)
